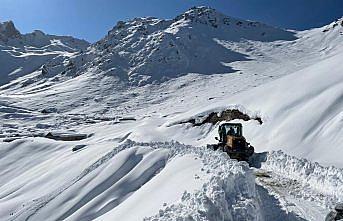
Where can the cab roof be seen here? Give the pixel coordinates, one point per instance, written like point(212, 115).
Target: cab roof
point(231, 124)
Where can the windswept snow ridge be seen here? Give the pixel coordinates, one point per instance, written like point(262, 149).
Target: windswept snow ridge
point(151, 50)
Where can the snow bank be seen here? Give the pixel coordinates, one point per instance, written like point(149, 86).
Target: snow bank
point(325, 180)
point(229, 193)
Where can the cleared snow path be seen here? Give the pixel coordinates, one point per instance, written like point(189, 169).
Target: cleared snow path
point(302, 187)
point(284, 191)
point(326, 181)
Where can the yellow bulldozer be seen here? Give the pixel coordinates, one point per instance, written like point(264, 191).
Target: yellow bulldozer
point(232, 141)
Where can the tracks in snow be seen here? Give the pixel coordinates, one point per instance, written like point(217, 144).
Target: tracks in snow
point(288, 193)
point(307, 189)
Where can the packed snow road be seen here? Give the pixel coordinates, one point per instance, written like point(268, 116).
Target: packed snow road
point(302, 187)
point(284, 190)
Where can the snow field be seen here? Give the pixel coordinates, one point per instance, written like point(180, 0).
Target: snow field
point(157, 172)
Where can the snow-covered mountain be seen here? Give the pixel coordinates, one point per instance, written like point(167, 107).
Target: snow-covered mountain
point(152, 49)
point(134, 97)
point(143, 50)
point(22, 54)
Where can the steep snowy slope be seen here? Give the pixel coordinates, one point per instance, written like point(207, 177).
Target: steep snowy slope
point(151, 49)
point(22, 54)
point(301, 113)
point(304, 112)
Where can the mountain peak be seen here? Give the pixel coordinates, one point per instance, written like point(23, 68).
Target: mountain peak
point(8, 30)
point(202, 14)
point(212, 17)
point(150, 49)
point(198, 9)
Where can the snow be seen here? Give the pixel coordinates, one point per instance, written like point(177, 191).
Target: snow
point(325, 180)
point(286, 122)
point(166, 188)
point(119, 173)
point(183, 180)
point(302, 187)
point(141, 82)
point(303, 115)
point(22, 54)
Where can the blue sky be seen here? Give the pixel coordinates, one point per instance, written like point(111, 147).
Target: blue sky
point(91, 19)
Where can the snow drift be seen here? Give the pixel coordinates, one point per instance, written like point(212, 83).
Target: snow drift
point(108, 185)
point(160, 180)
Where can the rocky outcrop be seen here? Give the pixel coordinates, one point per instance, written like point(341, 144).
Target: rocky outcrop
point(8, 31)
point(226, 115)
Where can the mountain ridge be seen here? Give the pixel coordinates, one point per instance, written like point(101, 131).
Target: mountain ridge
point(148, 50)
point(23, 54)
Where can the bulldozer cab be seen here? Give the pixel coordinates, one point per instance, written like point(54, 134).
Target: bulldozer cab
point(229, 129)
point(231, 135)
point(232, 141)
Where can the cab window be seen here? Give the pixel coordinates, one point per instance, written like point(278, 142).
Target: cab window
point(233, 130)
